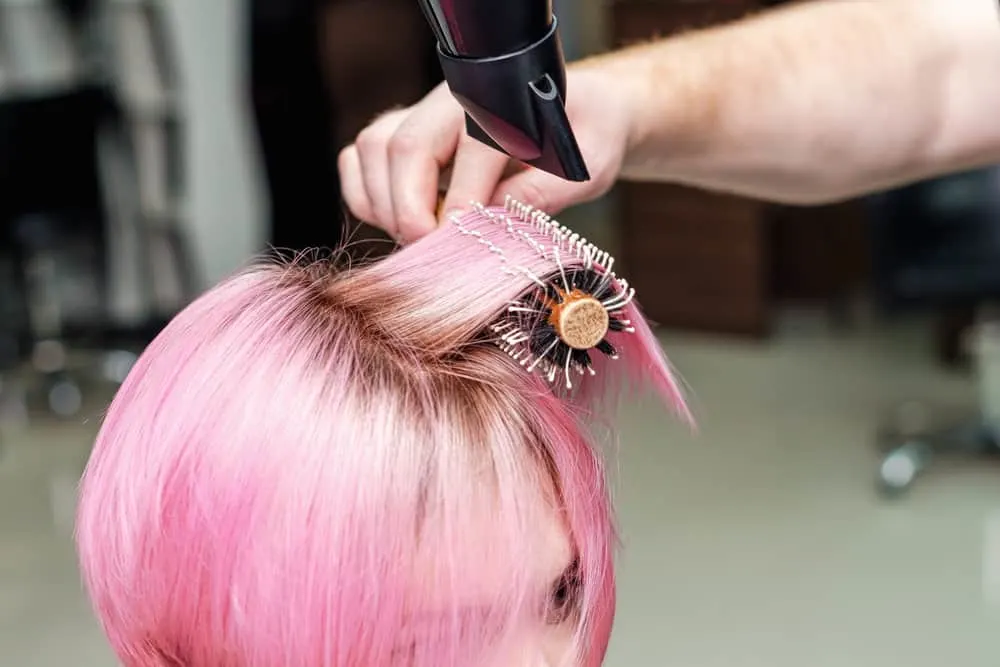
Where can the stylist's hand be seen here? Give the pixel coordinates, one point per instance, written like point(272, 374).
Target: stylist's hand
point(390, 176)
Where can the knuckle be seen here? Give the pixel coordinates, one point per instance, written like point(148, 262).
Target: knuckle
point(405, 142)
point(367, 139)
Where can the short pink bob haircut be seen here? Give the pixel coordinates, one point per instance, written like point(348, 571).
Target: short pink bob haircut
point(313, 467)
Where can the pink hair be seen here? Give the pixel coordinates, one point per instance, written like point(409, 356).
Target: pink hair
point(313, 468)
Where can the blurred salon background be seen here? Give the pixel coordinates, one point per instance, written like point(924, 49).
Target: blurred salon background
point(840, 506)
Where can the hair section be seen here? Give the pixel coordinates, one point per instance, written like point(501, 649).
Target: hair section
point(313, 468)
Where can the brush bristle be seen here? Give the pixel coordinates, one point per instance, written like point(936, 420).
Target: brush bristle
point(579, 269)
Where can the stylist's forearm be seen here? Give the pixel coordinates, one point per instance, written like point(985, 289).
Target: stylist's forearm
point(818, 102)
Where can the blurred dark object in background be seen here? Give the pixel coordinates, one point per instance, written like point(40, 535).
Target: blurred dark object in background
point(937, 243)
point(93, 247)
point(320, 70)
point(53, 236)
point(293, 121)
point(52, 198)
point(77, 11)
point(936, 247)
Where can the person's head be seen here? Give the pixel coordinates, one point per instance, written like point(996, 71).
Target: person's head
point(319, 468)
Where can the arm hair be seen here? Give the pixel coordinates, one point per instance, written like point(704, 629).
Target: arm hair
point(817, 102)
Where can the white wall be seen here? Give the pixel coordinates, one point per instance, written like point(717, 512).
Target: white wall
point(227, 202)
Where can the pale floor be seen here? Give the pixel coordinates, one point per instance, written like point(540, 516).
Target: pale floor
point(758, 542)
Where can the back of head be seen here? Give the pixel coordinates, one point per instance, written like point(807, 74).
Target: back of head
point(320, 468)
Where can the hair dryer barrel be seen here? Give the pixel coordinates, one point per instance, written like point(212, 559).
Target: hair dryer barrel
point(504, 63)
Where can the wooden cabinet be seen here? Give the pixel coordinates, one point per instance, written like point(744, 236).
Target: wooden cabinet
point(697, 259)
point(376, 55)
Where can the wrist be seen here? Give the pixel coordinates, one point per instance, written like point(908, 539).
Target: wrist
point(647, 122)
point(665, 109)
point(622, 74)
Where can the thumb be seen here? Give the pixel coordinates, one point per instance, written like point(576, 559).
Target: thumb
point(545, 192)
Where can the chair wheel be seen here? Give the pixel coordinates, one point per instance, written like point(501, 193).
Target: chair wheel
point(901, 466)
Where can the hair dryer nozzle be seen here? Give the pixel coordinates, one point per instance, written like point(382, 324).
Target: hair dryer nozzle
point(515, 104)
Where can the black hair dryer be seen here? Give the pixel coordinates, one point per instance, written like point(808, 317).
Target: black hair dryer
point(504, 63)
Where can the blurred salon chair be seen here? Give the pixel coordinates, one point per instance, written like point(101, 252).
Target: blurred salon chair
point(937, 247)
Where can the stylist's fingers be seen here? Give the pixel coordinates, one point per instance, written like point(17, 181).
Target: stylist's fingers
point(352, 184)
point(373, 152)
point(421, 146)
point(474, 175)
point(549, 193)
